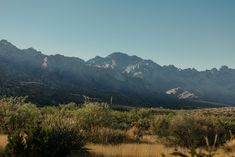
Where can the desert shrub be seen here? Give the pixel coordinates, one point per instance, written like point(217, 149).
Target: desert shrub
point(137, 114)
point(16, 146)
point(15, 113)
point(140, 118)
point(160, 125)
point(191, 131)
point(41, 142)
point(93, 115)
point(120, 120)
point(60, 118)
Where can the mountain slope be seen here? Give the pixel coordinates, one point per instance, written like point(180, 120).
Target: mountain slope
point(130, 80)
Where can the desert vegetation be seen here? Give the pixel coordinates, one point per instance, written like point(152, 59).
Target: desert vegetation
point(64, 129)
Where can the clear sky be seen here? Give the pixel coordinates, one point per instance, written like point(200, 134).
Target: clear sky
point(186, 33)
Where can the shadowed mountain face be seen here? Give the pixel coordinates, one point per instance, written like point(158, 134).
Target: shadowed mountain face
point(129, 80)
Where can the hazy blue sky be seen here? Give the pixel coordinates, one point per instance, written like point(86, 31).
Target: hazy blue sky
point(186, 33)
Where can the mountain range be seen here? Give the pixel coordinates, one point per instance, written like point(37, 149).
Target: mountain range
point(127, 80)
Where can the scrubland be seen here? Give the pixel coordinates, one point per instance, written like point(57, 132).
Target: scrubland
point(99, 130)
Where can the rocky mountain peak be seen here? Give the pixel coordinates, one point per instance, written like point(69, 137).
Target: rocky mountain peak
point(116, 60)
point(5, 44)
point(119, 56)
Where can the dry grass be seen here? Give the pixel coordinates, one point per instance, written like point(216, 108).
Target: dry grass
point(149, 150)
point(131, 150)
point(228, 149)
point(3, 142)
point(150, 139)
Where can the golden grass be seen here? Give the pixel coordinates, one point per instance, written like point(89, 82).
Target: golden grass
point(149, 150)
point(131, 150)
point(3, 142)
point(228, 149)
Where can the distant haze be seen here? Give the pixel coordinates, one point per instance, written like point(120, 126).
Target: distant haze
point(197, 33)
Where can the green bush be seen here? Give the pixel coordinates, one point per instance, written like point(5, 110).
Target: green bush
point(16, 146)
point(15, 113)
point(41, 142)
point(191, 130)
point(93, 115)
point(120, 120)
point(160, 125)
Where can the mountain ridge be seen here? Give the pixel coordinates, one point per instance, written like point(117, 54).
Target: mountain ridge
point(129, 79)
point(33, 50)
